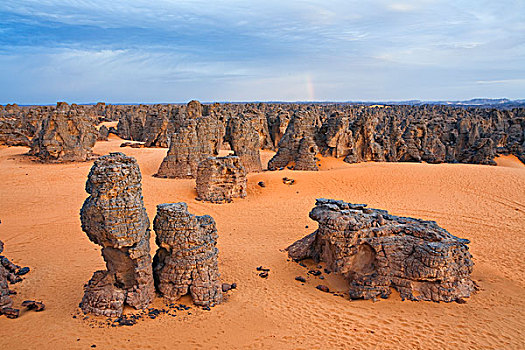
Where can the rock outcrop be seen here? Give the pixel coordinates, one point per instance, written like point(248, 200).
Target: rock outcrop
point(114, 217)
point(357, 133)
point(6, 302)
point(67, 135)
point(186, 261)
point(296, 146)
point(376, 251)
point(245, 141)
point(197, 140)
point(220, 179)
point(103, 133)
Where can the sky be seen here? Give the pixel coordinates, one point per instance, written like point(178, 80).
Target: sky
point(144, 51)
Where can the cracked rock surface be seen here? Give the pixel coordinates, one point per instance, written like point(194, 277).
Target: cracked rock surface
point(186, 261)
point(114, 217)
point(376, 251)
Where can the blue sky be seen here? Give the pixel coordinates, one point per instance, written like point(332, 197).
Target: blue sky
point(174, 51)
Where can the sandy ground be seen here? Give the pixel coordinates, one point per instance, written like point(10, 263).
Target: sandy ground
point(39, 209)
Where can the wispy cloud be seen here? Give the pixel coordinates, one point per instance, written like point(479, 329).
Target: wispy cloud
point(165, 50)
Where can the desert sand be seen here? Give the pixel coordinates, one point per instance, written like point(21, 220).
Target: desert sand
point(40, 227)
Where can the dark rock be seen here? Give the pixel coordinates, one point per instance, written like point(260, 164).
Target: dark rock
point(300, 279)
point(323, 288)
point(34, 305)
point(22, 271)
point(261, 184)
point(288, 181)
point(9, 312)
point(226, 287)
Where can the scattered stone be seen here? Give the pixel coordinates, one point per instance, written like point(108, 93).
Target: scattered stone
point(22, 271)
point(114, 217)
point(375, 251)
point(220, 179)
point(186, 260)
point(132, 144)
point(300, 279)
point(9, 312)
point(288, 181)
point(323, 288)
point(261, 184)
point(34, 305)
point(260, 268)
point(263, 274)
point(226, 287)
point(315, 272)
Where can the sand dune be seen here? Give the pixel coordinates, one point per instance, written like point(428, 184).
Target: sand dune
point(40, 227)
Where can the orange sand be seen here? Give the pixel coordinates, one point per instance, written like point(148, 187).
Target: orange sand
point(40, 226)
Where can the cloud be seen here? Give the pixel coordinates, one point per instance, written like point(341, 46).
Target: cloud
point(139, 50)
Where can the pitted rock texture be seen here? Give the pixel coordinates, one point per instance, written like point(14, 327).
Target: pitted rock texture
point(245, 141)
point(5, 299)
point(67, 135)
point(186, 261)
point(197, 140)
point(376, 251)
point(114, 217)
point(357, 133)
point(297, 146)
point(220, 179)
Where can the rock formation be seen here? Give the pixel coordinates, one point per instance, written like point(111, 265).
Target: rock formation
point(375, 251)
point(245, 141)
point(114, 217)
point(66, 135)
point(186, 261)
point(297, 146)
point(6, 302)
point(357, 133)
point(197, 140)
point(103, 133)
point(220, 179)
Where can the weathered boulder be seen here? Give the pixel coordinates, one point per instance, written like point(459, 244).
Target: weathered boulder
point(186, 261)
point(376, 251)
point(66, 135)
point(114, 217)
point(220, 179)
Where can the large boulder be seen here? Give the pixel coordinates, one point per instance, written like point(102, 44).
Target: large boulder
point(376, 251)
